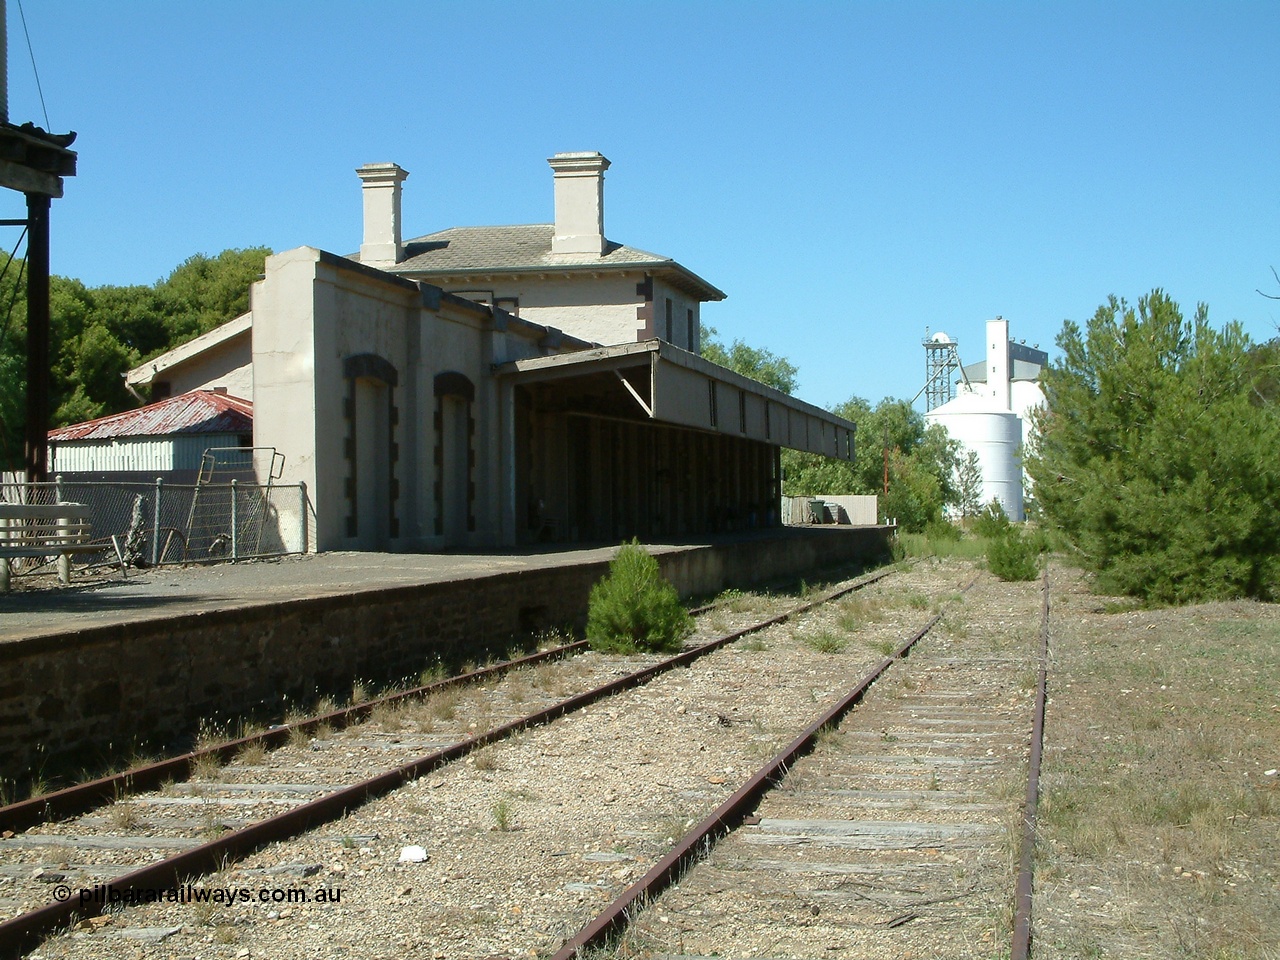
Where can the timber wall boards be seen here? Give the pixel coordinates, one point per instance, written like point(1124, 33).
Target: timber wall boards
point(84, 697)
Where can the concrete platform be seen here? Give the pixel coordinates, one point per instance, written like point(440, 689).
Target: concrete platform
point(41, 607)
point(108, 664)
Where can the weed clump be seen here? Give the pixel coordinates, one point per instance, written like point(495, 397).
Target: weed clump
point(1012, 556)
point(634, 608)
point(824, 641)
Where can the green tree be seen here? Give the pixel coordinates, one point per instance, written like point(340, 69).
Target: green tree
point(98, 333)
point(203, 292)
point(763, 365)
point(968, 484)
point(94, 383)
point(635, 608)
point(1156, 456)
point(1264, 371)
point(916, 497)
point(13, 360)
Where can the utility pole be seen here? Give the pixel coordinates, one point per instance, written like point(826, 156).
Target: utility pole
point(33, 161)
point(886, 461)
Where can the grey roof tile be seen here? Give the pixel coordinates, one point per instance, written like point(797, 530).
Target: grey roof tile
point(525, 247)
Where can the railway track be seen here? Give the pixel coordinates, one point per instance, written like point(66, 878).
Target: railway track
point(899, 833)
point(162, 829)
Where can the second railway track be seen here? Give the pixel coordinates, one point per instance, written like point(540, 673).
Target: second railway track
point(898, 835)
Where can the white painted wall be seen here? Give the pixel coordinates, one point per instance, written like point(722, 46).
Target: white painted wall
point(598, 309)
point(681, 303)
point(228, 364)
point(311, 313)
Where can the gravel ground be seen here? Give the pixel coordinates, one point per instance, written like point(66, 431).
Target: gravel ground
point(527, 839)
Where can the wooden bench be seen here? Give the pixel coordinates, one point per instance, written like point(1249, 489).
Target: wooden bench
point(43, 530)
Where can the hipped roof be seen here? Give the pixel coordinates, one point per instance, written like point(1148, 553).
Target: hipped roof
point(198, 411)
point(526, 248)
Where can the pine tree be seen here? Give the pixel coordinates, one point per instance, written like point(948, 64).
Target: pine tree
point(1156, 455)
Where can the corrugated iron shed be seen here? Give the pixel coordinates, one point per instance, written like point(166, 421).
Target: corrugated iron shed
point(199, 411)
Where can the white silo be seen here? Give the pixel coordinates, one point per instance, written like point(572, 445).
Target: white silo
point(995, 435)
point(987, 414)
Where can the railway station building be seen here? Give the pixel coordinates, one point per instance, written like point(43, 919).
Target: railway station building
point(497, 386)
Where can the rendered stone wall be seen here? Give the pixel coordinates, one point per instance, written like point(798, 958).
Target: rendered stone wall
point(72, 699)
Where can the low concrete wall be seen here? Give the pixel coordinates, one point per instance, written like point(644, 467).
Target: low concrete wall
point(74, 698)
point(859, 510)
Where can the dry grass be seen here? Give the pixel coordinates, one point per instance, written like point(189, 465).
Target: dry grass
point(389, 716)
point(206, 767)
point(857, 612)
point(252, 754)
point(1160, 829)
point(443, 705)
point(916, 600)
point(209, 735)
point(123, 815)
point(884, 645)
point(735, 601)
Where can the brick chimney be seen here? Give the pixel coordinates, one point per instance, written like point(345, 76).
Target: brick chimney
point(381, 246)
point(579, 189)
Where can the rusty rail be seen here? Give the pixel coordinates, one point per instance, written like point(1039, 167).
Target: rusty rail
point(83, 797)
point(1021, 945)
point(24, 932)
point(728, 816)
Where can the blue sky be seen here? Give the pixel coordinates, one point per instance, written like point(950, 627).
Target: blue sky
point(849, 173)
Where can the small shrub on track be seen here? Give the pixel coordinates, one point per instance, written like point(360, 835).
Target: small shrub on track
point(634, 608)
point(1013, 556)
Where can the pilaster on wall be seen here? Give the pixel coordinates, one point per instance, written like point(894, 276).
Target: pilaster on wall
point(284, 354)
point(644, 312)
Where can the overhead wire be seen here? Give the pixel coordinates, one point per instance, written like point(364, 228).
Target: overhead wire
point(13, 299)
point(8, 317)
point(31, 52)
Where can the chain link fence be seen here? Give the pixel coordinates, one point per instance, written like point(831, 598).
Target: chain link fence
point(148, 524)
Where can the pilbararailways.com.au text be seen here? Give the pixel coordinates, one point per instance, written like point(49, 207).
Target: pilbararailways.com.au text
point(104, 893)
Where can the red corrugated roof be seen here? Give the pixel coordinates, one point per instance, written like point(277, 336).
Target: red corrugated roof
point(198, 411)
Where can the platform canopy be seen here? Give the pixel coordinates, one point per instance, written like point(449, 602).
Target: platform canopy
point(658, 381)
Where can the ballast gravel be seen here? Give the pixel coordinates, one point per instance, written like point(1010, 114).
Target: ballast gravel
point(527, 839)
